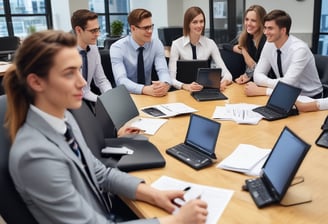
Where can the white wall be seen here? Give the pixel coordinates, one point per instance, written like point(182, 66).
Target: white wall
point(62, 11)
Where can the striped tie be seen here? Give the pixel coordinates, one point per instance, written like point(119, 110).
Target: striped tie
point(72, 141)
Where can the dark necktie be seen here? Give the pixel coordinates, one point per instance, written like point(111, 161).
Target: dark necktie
point(85, 64)
point(193, 48)
point(72, 141)
point(279, 62)
point(76, 149)
point(141, 67)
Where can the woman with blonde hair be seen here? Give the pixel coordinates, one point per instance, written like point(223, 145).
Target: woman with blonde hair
point(251, 40)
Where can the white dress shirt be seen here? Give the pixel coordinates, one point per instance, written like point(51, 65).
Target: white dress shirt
point(323, 103)
point(205, 48)
point(298, 67)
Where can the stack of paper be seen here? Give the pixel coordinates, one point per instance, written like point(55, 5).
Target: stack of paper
point(217, 198)
point(246, 159)
point(241, 113)
point(168, 110)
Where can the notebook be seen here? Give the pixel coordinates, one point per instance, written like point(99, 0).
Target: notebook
point(187, 69)
point(280, 103)
point(198, 149)
point(279, 169)
point(210, 78)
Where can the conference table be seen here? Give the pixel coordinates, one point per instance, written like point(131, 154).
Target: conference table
point(241, 208)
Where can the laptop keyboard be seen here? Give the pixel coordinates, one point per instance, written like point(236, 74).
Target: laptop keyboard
point(187, 155)
point(259, 193)
point(267, 113)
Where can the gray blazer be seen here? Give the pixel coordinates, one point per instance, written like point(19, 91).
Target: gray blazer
point(52, 180)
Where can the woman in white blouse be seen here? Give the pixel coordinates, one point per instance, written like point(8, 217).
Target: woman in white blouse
point(193, 37)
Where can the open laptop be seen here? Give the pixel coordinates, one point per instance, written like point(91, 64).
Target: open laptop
point(279, 169)
point(187, 69)
point(210, 78)
point(280, 103)
point(198, 149)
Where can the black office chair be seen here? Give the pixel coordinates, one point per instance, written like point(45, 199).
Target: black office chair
point(12, 207)
point(8, 46)
point(107, 66)
point(321, 62)
point(234, 62)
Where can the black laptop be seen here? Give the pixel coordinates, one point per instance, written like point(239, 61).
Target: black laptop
point(279, 169)
point(187, 69)
point(210, 79)
point(198, 149)
point(281, 102)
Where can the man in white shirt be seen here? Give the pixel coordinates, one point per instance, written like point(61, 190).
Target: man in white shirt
point(86, 27)
point(297, 66)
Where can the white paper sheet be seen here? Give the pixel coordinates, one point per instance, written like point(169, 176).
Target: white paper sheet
point(148, 125)
point(216, 198)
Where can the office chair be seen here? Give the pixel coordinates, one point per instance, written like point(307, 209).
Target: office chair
point(107, 66)
point(115, 107)
point(145, 155)
point(12, 207)
point(321, 63)
point(8, 46)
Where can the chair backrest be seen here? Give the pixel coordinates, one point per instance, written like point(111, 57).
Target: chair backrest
point(321, 63)
point(10, 43)
point(116, 106)
point(107, 66)
point(234, 62)
point(12, 207)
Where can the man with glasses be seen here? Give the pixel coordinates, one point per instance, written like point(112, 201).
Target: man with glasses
point(133, 58)
point(86, 27)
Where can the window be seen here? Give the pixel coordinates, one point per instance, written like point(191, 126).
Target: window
point(108, 11)
point(320, 27)
point(22, 17)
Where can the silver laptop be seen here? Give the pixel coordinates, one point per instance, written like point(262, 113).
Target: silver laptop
point(279, 169)
point(198, 149)
point(210, 79)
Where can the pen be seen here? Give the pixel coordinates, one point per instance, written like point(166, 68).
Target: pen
point(187, 189)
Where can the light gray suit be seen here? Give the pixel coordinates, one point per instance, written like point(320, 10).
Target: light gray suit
point(52, 180)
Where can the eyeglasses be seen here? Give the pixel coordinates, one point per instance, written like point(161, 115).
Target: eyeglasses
point(95, 30)
point(146, 28)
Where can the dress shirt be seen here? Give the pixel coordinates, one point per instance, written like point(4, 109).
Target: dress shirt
point(124, 54)
point(323, 103)
point(205, 48)
point(95, 72)
point(298, 67)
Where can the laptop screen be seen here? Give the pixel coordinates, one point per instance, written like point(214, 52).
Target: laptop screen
point(187, 69)
point(283, 97)
point(209, 77)
point(284, 161)
point(203, 133)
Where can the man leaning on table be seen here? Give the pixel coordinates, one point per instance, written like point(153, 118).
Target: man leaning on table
point(133, 57)
point(290, 58)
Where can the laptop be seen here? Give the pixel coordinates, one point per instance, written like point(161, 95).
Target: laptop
point(279, 169)
point(210, 78)
point(198, 149)
point(187, 69)
point(280, 103)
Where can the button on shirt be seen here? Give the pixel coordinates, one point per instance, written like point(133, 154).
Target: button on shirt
point(297, 63)
point(205, 48)
point(124, 55)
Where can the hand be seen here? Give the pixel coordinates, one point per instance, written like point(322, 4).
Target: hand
point(194, 211)
point(224, 84)
point(128, 130)
point(157, 88)
point(251, 89)
point(192, 87)
point(242, 79)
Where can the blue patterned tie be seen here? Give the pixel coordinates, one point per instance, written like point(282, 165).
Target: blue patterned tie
point(72, 141)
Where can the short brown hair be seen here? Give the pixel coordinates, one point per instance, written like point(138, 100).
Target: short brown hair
point(81, 17)
point(189, 15)
point(281, 18)
point(137, 15)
